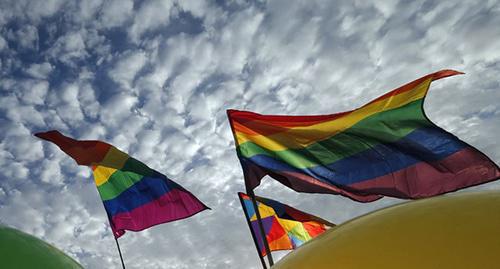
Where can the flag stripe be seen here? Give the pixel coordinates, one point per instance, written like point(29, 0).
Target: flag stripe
point(142, 192)
point(114, 158)
point(346, 171)
point(347, 143)
point(87, 152)
point(416, 181)
point(428, 179)
point(157, 211)
point(113, 182)
point(102, 174)
point(291, 121)
point(135, 166)
point(299, 182)
point(300, 137)
point(117, 183)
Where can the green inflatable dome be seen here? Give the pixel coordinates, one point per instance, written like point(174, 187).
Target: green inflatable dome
point(20, 250)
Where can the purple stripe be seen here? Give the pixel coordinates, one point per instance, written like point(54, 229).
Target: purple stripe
point(464, 168)
point(175, 205)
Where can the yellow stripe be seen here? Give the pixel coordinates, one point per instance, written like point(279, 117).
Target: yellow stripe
point(303, 136)
point(102, 174)
point(114, 160)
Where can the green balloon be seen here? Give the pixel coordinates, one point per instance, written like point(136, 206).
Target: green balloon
point(21, 250)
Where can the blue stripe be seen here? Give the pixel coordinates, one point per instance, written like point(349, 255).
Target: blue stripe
point(428, 144)
point(142, 192)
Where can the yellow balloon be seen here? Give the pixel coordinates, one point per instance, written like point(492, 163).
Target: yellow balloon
point(460, 231)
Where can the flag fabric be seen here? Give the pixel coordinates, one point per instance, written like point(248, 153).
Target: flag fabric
point(387, 147)
point(135, 196)
point(285, 227)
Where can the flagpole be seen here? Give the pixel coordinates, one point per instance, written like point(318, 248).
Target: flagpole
point(254, 237)
point(262, 231)
point(119, 252)
point(116, 240)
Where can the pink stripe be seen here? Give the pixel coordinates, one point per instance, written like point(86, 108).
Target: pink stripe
point(464, 168)
point(175, 205)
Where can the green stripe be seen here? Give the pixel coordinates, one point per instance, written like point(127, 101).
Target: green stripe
point(384, 127)
point(133, 165)
point(117, 183)
point(132, 172)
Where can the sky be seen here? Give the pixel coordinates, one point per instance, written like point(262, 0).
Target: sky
point(155, 78)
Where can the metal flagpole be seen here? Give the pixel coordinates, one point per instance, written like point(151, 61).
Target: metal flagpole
point(261, 227)
point(116, 240)
point(120, 252)
point(252, 232)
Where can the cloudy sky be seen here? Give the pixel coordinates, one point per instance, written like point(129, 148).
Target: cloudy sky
point(155, 78)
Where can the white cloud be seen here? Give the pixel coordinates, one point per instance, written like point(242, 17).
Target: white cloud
point(69, 47)
point(115, 12)
point(127, 67)
point(66, 104)
point(36, 10)
point(87, 9)
point(150, 16)
point(30, 92)
point(50, 172)
point(88, 102)
point(19, 142)
point(26, 37)
point(196, 8)
point(40, 71)
point(3, 43)
point(33, 11)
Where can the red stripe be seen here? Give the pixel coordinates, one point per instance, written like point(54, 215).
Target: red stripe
point(253, 123)
point(174, 205)
point(281, 120)
point(84, 152)
point(408, 87)
point(464, 168)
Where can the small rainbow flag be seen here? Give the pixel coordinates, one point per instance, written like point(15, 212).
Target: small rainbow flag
point(135, 196)
point(386, 147)
point(285, 227)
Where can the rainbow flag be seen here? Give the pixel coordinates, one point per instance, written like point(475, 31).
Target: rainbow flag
point(285, 227)
point(386, 147)
point(135, 196)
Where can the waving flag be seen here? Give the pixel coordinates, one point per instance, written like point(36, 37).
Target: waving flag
point(285, 226)
point(135, 196)
point(386, 147)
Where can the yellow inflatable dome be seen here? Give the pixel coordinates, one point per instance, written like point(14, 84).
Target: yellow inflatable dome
point(460, 231)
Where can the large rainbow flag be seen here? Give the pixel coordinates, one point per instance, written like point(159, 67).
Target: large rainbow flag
point(285, 227)
point(135, 196)
point(386, 147)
